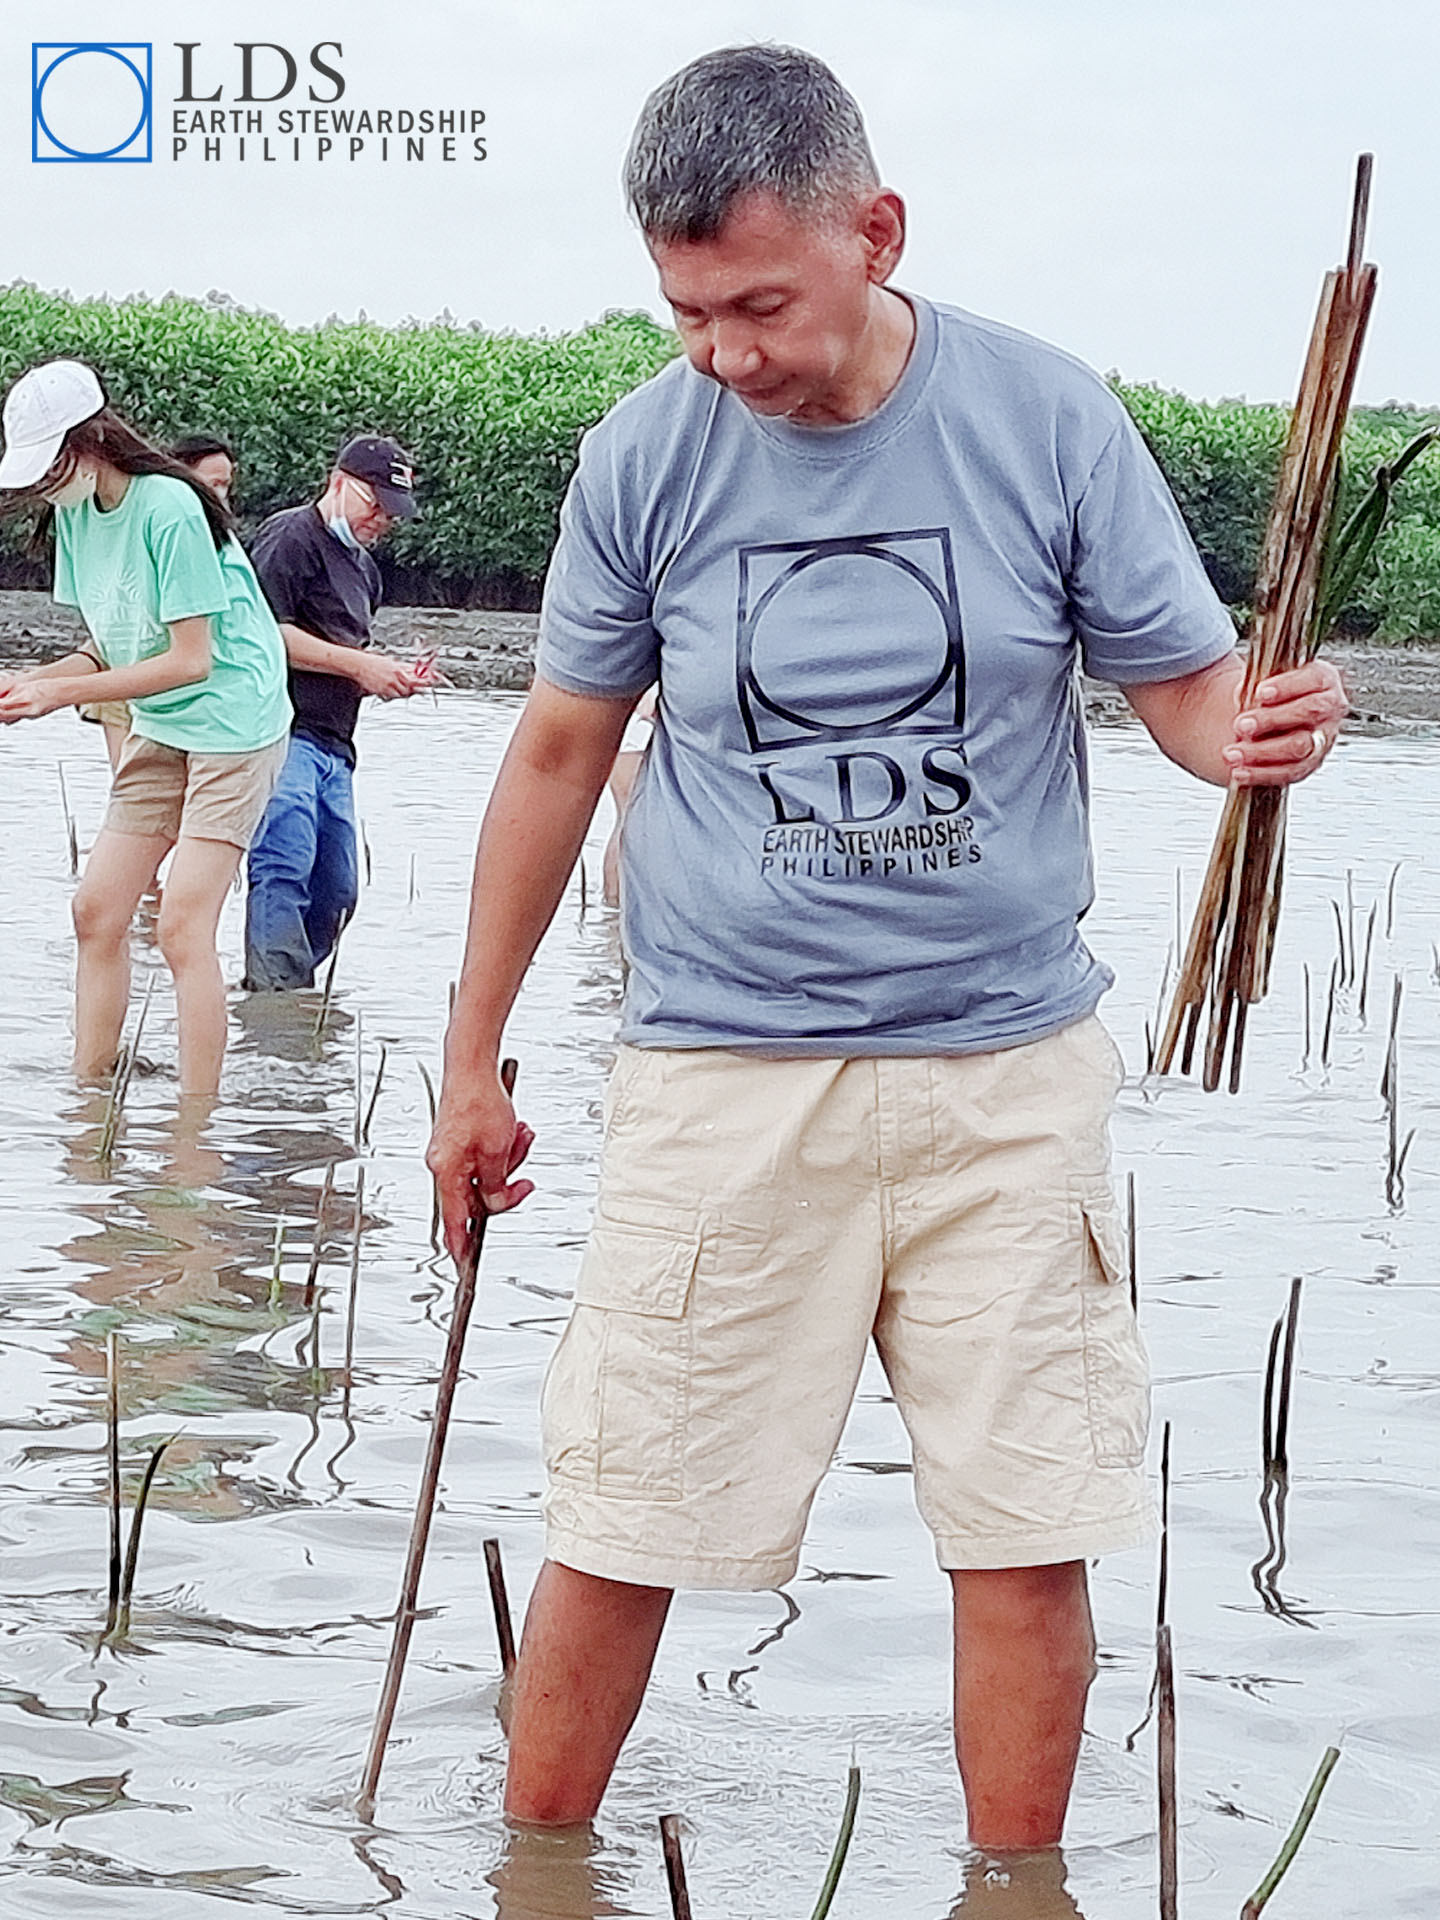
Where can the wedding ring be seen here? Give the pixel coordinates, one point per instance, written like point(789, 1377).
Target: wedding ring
point(1321, 744)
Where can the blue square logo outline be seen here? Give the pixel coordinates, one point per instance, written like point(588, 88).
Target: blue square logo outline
point(66, 155)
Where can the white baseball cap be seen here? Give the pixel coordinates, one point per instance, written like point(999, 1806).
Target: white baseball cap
point(40, 410)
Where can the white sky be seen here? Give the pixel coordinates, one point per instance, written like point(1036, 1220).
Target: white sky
point(1156, 185)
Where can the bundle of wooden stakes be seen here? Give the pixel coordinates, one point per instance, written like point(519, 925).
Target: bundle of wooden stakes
point(1227, 959)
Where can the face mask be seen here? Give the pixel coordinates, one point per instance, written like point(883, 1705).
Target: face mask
point(79, 488)
point(343, 531)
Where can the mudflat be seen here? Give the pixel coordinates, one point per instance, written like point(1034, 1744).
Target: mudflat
point(1392, 689)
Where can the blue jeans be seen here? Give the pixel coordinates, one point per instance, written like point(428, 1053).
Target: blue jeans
point(304, 879)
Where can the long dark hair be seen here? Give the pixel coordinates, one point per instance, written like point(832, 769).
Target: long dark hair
point(105, 436)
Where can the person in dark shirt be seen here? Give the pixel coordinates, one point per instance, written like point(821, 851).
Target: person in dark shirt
point(323, 586)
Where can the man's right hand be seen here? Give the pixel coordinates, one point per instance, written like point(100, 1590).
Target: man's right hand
point(386, 678)
point(474, 1150)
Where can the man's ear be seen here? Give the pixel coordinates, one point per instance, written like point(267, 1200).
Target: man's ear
point(882, 230)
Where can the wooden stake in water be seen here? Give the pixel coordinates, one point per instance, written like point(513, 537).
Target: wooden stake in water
point(675, 1866)
point(1256, 1904)
point(405, 1613)
point(500, 1606)
point(1165, 1776)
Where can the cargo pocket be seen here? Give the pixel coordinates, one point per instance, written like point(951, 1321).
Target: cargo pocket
point(616, 1397)
point(1117, 1372)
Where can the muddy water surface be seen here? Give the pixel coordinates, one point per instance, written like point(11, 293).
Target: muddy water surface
point(206, 1765)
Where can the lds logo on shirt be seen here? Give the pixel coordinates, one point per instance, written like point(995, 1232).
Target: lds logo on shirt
point(846, 639)
point(91, 100)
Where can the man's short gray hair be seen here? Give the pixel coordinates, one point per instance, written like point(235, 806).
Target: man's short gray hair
point(743, 120)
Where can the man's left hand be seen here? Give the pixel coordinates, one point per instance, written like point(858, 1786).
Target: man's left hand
point(1289, 728)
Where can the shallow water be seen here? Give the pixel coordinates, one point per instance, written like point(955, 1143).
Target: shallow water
point(210, 1760)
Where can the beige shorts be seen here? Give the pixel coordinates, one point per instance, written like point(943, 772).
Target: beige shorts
point(760, 1220)
point(195, 796)
point(108, 713)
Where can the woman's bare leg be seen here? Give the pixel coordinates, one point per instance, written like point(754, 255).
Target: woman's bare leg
point(121, 866)
point(200, 875)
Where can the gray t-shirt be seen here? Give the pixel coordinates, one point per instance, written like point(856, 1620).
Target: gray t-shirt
point(861, 827)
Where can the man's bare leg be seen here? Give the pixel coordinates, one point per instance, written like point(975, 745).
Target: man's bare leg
point(586, 1655)
point(1024, 1660)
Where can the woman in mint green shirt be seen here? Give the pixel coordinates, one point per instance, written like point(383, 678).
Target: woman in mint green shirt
point(180, 629)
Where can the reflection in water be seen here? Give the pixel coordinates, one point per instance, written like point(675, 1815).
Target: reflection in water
point(1274, 1498)
point(1016, 1886)
point(553, 1876)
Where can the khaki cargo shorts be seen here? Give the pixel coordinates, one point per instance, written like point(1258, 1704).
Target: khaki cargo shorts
point(108, 713)
point(176, 795)
point(760, 1220)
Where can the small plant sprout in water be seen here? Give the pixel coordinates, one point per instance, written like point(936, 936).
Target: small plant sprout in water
point(317, 1249)
point(1397, 1152)
point(842, 1846)
point(1275, 1461)
point(121, 1582)
point(1258, 1900)
point(71, 838)
point(120, 1086)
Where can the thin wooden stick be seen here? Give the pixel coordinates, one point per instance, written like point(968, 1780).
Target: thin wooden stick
point(1359, 213)
point(466, 1272)
point(675, 1866)
point(1162, 1589)
point(1232, 938)
point(1131, 1238)
point(1165, 1776)
point(500, 1606)
point(1256, 1904)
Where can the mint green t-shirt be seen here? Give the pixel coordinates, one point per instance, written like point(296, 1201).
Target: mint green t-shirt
point(149, 561)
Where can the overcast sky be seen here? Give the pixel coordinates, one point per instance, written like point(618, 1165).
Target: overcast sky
point(1156, 185)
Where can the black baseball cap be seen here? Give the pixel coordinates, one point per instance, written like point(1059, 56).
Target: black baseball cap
point(384, 465)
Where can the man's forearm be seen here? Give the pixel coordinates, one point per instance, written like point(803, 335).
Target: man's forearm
point(1192, 720)
point(313, 655)
point(547, 790)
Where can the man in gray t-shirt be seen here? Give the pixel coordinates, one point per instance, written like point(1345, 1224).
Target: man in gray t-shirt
point(863, 543)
